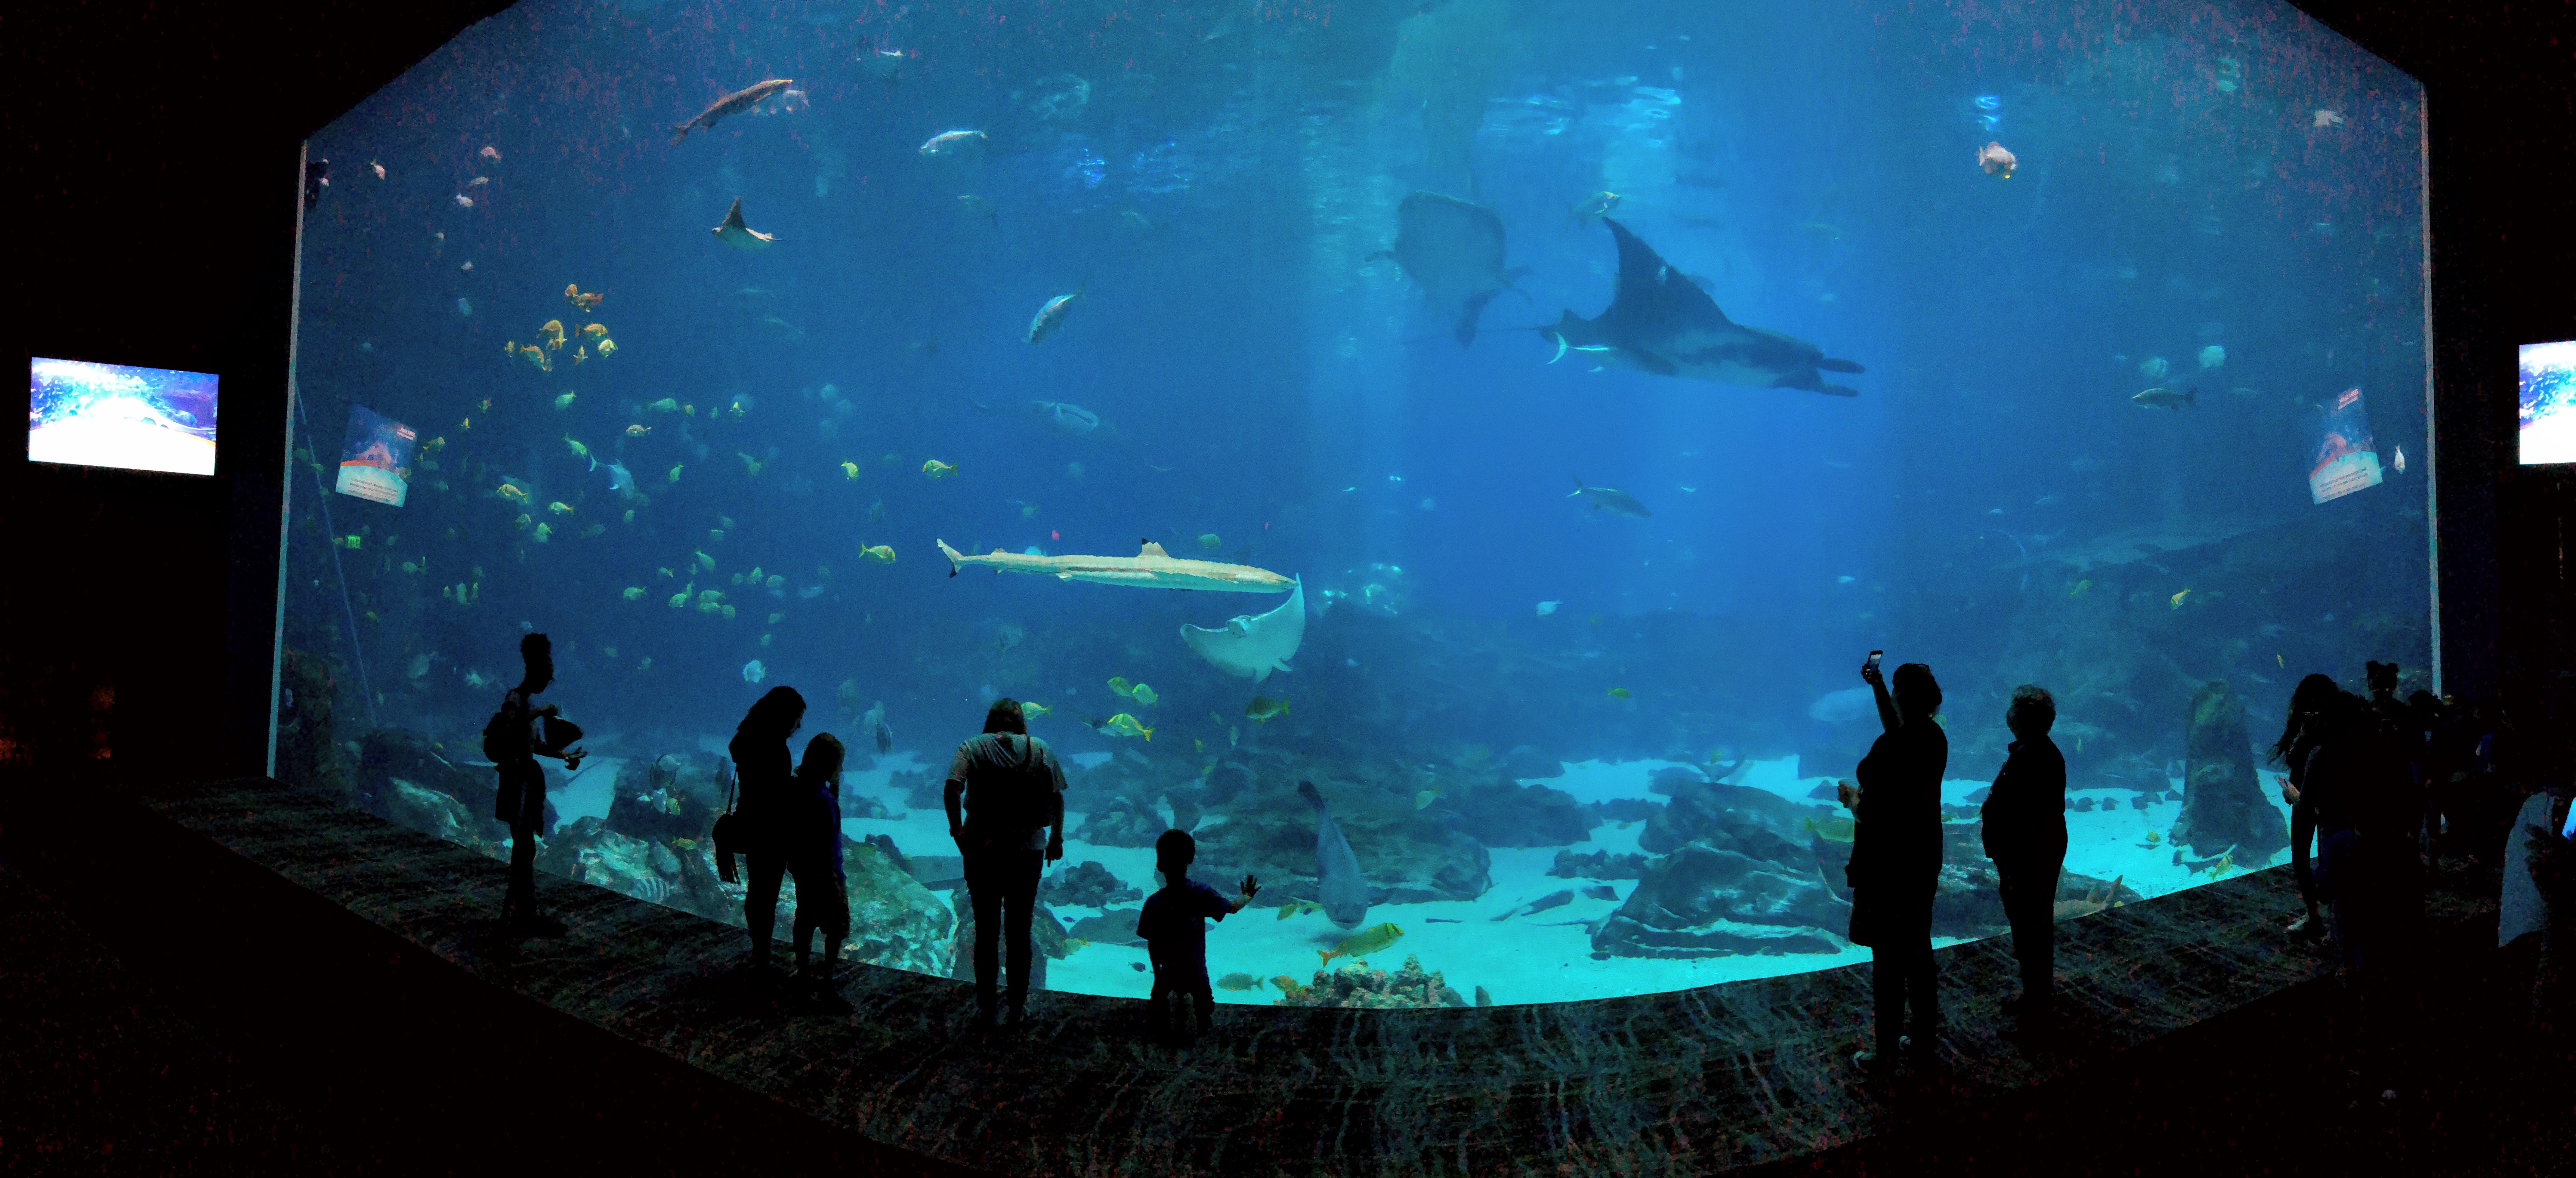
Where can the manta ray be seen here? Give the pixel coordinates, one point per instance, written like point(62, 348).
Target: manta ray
point(743, 237)
point(1453, 251)
point(1339, 887)
point(1662, 322)
point(1252, 646)
point(1150, 568)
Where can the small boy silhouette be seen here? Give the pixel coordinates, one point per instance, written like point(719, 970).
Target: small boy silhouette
point(1173, 925)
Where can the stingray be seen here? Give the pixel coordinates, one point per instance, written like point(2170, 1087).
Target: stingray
point(1252, 646)
point(1453, 251)
point(1339, 887)
point(742, 237)
point(1662, 322)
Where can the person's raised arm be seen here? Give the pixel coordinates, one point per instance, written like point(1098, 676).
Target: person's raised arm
point(1251, 888)
point(1887, 717)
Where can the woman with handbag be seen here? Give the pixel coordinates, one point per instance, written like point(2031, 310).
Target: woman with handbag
point(764, 772)
point(1896, 860)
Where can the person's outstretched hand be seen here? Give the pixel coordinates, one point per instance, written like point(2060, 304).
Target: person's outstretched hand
point(1871, 675)
point(1251, 885)
point(572, 760)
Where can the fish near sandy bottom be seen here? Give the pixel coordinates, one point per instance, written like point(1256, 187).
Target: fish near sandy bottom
point(1661, 322)
point(738, 235)
point(1453, 250)
point(1339, 887)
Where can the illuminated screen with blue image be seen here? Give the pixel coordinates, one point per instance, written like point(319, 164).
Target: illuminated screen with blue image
point(84, 414)
point(2548, 403)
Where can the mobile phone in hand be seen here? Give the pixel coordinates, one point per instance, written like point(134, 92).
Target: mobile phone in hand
point(1873, 658)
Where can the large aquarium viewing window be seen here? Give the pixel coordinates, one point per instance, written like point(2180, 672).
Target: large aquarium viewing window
point(1517, 420)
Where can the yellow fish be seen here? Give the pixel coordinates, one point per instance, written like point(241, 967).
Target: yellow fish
point(595, 330)
point(665, 405)
point(2153, 838)
point(775, 581)
point(559, 507)
point(553, 331)
point(522, 522)
point(749, 463)
point(511, 492)
point(2081, 588)
point(579, 354)
point(850, 469)
point(675, 473)
point(728, 613)
point(680, 598)
point(1034, 709)
point(633, 593)
point(880, 553)
point(543, 531)
point(580, 301)
point(1288, 985)
point(1298, 908)
point(537, 356)
point(434, 445)
point(607, 348)
point(1263, 708)
point(1619, 693)
point(637, 431)
point(664, 572)
point(706, 562)
point(2176, 599)
point(1143, 695)
point(710, 596)
point(1123, 724)
point(578, 450)
point(937, 469)
point(1362, 943)
point(1121, 685)
point(1425, 798)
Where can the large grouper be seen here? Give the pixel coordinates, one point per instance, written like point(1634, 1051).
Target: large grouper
point(1662, 322)
point(1339, 887)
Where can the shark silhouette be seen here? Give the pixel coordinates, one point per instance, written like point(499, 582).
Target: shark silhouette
point(1662, 322)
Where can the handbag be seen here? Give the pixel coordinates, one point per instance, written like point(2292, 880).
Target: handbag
point(727, 831)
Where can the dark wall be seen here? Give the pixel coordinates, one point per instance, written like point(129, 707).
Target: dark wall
point(156, 154)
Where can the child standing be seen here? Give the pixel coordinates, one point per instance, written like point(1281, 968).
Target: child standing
point(1173, 927)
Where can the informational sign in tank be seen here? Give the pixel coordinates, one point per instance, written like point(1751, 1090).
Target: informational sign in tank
point(2548, 403)
point(2345, 461)
point(375, 463)
point(84, 414)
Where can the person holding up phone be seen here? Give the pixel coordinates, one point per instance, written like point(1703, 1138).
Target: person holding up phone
point(1895, 863)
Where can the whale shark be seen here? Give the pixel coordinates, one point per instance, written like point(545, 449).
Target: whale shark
point(1453, 250)
point(1339, 887)
point(1150, 568)
point(1662, 322)
point(1252, 646)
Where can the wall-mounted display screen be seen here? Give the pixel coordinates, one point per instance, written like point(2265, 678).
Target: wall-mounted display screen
point(85, 414)
point(1549, 406)
point(375, 460)
point(2548, 403)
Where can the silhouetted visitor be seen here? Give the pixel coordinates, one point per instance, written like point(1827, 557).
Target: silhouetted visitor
point(2361, 786)
point(2310, 702)
point(2025, 834)
point(1174, 926)
point(765, 774)
point(810, 840)
point(1012, 827)
point(1896, 861)
point(514, 738)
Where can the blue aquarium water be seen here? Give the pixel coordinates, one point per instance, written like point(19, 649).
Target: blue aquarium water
point(1545, 405)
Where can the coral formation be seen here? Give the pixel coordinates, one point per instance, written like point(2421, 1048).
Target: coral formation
point(1358, 985)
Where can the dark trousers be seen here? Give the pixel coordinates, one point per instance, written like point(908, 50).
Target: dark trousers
point(760, 899)
point(2303, 830)
point(1002, 884)
point(520, 901)
point(1188, 978)
point(2375, 891)
point(2029, 889)
point(822, 902)
point(1901, 969)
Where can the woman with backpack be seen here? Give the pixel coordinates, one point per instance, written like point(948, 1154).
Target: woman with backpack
point(764, 772)
point(1012, 826)
point(514, 738)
